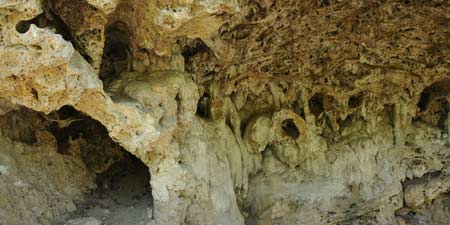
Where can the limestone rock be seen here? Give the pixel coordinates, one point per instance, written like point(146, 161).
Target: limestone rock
point(242, 112)
point(6, 106)
point(107, 6)
point(425, 189)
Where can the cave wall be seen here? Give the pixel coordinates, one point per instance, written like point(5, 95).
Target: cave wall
point(39, 184)
point(250, 111)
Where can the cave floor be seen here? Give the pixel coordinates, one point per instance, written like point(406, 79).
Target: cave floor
point(123, 196)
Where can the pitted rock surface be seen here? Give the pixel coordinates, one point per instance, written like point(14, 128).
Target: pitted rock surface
point(241, 111)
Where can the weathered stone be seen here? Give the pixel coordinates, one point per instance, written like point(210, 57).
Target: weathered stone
point(244, 112)
point(426, 189)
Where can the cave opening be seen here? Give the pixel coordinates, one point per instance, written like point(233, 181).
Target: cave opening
point(433, 105)
point(116, 54)
point(316, 104)
point(203, 106)
point(439, 89)
point(48, 19)
point(196, 47)
point(290, 128)
point(72, 154)
point(123, 193)
point(199, 59)
point(355, 100)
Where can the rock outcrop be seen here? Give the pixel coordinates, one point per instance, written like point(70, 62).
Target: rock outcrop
point(243, 112)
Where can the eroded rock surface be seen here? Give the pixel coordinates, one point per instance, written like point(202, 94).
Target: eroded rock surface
point(243, 112)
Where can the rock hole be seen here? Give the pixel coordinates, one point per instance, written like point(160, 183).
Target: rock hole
point(40, 21)
point(433, 104)
point(22, 27)
point(116, 53)
point(316, 104)
point(355, 100)
point(75, 131)
point(46, 19)
point(429, 94)
point(203, 106)
point(290, 128)
point(198, 58)
point(63, 125)
point(325, 2)
point(423, 100)
point(196, 47)
point(123, 193)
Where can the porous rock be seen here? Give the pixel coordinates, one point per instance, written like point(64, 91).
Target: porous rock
point(245, 112)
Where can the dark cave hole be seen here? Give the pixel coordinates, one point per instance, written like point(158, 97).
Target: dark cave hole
point(67, 123)
point(243, 126)
point(203, 106)
point(122, 190)
point(116, 54)
point(355, 100)
point(192, 49)
point(117, 51)
point(117, 42)
point(316, 104)
point(196, 47)
point(429, 94)
point(290, 128)
point(123, 181)
point(123, 195)
point(23, 26)
point(129, 173)
point(433, 104)
point(40, 21)
point(423, 100)
point(325, 2)
point(43, 20)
